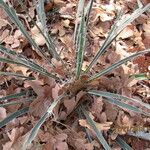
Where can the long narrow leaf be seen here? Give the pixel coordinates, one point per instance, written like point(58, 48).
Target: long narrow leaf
point(141, 76)
point(12, 96)
point(117, 96)
point(49, 42)
point(78, 17)
point(88, 10)
point(7, 60)
point(17, 102)
point(106, 43)
point(140, 5)
point(122, 143)
point(117, 64)
point(81, 45)
point(29, 65)
point(97, 132)
point(121, 104)
point(81, 116)
point(13, 16)
point(35, 67)
point(126, 106)
point(13, 116)
point(16, 75)
point(37, 126)
point(115, 31)
point(42, 18)
point(80, 32)
point(22, 60)
point(140, 134)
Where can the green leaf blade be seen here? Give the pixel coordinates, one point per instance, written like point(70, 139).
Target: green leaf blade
point(124, 105)
point(37, 126)
point(13, 16)
point(24, 61)
point(16, 75)
point(13, 116)
point(12, 96)
point(122, 143)
point(17, 102)
point(118, 96)
point(78, 16)
point(81, 45)
point(115, 31)
point(109, 98)
point(98, 132)
point(42, 18)
point(118, 64)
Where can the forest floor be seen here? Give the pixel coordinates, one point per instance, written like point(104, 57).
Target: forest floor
point(70, 134)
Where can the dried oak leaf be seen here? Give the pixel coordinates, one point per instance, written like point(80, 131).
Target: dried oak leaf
point(70, 105)
point(123, 121)
point(111, 111)
point(143, 63)
point(81, 144)
point(61, 143)
point(67, 12)
point(100, 126)
point(37, 36)
point(53, 142)
point(13, 136)
point(105, 12)
point(78, 142)
point(18, 69)
point(97, 107)
point(146, 28)
point(58, 67)
point(127, 32)
point(3, 113)
point(39, 106)
point(59, 27)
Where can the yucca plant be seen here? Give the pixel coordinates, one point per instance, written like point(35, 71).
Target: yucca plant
point(82, 79)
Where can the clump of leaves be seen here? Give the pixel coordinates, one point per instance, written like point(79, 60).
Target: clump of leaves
point(82, 79)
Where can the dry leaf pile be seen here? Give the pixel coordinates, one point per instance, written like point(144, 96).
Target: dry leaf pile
point(66, 131)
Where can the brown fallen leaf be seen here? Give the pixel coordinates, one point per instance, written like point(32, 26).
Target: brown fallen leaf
point(13, 136)
point(127, 32)
point(44, 88)
point(97, 107)
point(37, 36)
point(105, 12)
point(3, 113)
point(61, 143)
point(100, 126)
point(124, 122)
point(18, 69)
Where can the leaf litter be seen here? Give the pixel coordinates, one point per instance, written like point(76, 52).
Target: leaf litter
point(70, 135)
